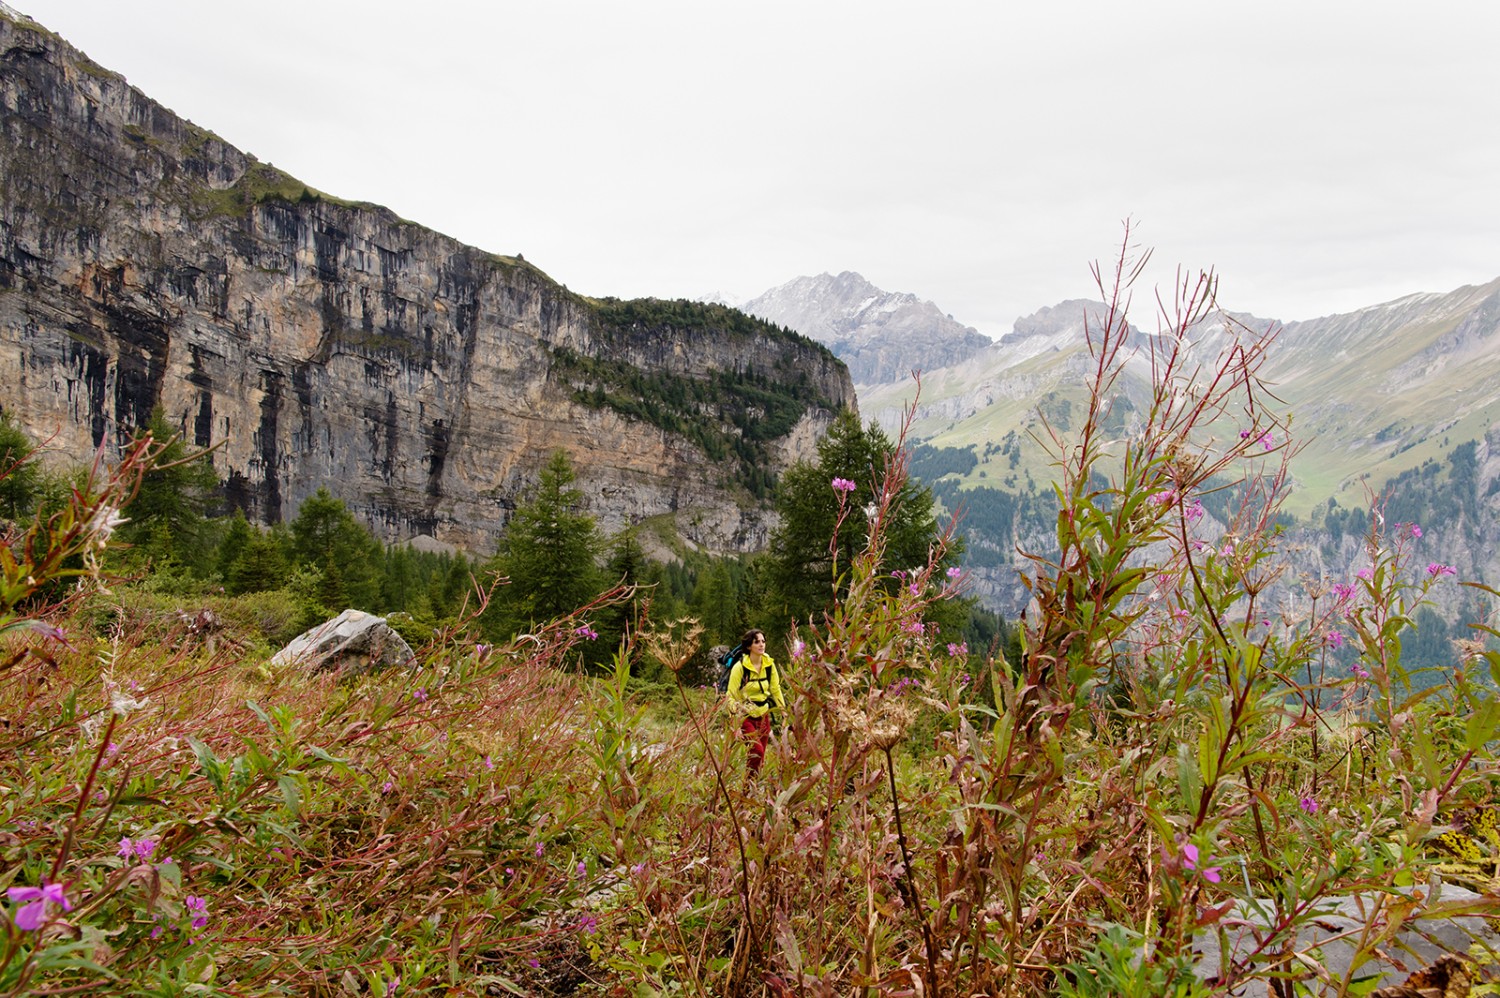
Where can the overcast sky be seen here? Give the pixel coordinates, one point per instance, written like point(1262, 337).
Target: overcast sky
point(1321, 156)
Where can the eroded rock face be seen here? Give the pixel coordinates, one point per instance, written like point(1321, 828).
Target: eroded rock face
point(316, 342)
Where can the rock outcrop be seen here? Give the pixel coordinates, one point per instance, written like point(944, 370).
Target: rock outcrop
point(144, 262)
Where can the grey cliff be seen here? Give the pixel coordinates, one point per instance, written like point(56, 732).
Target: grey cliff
point(315, 342)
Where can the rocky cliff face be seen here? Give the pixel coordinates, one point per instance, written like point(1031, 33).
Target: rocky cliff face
point(882, 336)
point(145, 262)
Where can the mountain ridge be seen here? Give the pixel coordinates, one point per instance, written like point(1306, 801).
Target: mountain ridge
point(314, 341)
point(881, 335)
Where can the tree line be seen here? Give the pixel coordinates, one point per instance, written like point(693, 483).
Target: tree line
point(551, 559)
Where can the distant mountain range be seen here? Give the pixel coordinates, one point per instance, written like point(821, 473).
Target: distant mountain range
point(1373, 392)
point(881, 335)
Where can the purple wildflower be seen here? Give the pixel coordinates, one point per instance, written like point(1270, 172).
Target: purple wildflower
point(34, 910)
point(913, 627)
point(1365, 573)
point(586, 632)
point(798, 647)
point(539, 850)
point(1334, 639)
point(198, 907)
point(954, 572)
point(1190, 862)
point(419, 694)
point(1309, 804)
point(843, 485)
point(1435, 570)
point(1416, 531)
point(588, 922)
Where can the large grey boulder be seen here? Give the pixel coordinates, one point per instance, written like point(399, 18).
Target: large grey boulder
point(1440, 919)
point(353, 643)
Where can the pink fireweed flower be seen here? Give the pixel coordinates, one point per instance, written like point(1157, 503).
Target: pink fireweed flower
point(1334, 639)
point(387, 787)
point(899, 687)
point(1416, 531)
point(954, 572)
point(1435, 570)
point(489, 763)
point(1266, 440)
point(198, 907)
point(958, 649)
point(914, 589)
point(1365, 573)
point(419, 695)
point(843, 485)
point(798, 648)
point(1309, 804)
point(1164, 498)
point(1343, 591)
point(587, 632)
point(139, 848)
point(540, 849)
point(33, 911)
point(1360, 672)
point(913, 627)
point(583, 869)
point(1194, 511)
point(1190, 862)
point(588, 923)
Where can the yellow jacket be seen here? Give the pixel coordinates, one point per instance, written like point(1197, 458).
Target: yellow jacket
point(756, 689)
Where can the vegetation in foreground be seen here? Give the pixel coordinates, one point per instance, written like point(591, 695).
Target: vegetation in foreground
point(177, 818)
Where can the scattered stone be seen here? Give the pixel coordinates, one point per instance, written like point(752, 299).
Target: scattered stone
point(1443, 920)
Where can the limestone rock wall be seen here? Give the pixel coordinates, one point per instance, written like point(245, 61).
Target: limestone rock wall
point(316, 342)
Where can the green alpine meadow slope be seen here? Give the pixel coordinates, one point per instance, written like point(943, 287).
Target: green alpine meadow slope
point(1372, 393)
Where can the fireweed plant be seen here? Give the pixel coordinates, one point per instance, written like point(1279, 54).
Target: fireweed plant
point(1185, 748)
point(1192, 743)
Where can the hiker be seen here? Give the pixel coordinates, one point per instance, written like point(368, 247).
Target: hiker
point(755, 688)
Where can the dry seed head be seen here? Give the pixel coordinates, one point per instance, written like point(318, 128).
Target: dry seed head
point(889, 719)
point(675, 646)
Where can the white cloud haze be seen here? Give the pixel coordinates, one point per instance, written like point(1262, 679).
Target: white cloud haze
point(1321, 156)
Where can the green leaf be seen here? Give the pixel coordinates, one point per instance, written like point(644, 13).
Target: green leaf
point(291, 794)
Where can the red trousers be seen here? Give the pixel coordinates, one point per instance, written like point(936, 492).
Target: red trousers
point(758, 731)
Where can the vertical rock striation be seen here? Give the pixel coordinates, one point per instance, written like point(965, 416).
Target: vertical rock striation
point(313, 341)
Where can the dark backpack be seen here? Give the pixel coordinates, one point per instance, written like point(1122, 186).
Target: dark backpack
point(726, 666)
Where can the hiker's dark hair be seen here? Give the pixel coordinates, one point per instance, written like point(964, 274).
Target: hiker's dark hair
point(750, 636)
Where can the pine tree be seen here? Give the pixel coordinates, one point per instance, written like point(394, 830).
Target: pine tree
point(166, 520)
point(800, 569)
point(547, 553)
point(327, 537)
point(19, 475)
point(259, 566)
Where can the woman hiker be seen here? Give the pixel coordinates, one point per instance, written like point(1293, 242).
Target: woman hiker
point(755, 688)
